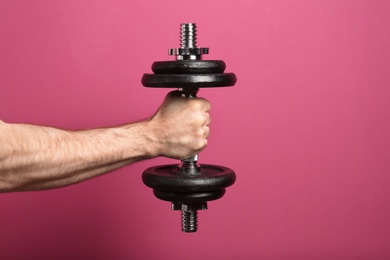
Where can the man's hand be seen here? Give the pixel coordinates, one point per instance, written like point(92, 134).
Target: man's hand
point(181, 126)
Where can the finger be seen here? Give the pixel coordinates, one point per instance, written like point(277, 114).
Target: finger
point(208, 120)
point(204, 145)
point(205, 104)
point(206, 132)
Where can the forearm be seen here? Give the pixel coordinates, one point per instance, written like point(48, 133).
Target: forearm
point(35, 157)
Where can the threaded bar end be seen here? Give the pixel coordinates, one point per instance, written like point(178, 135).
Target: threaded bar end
point(189, 221)
point(188, 35)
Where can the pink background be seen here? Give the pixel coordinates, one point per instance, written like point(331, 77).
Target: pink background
point(306, 128)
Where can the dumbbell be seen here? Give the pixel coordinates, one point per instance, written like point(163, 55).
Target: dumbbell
point(188, 185)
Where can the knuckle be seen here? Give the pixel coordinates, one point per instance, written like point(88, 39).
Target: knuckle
point(201, 132)
point(207, 131)
point(201, 104)
point(199, 145)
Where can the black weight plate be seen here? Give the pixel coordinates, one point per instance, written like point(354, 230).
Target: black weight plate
point(188, 67)
point(189, 80)
point(169, 178)
point(189, 197)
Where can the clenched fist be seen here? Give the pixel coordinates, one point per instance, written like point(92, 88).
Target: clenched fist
point(181, 126)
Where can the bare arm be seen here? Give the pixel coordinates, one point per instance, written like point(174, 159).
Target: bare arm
point(36, 157)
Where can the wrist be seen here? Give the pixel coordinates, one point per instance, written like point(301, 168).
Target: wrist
point(142, 139)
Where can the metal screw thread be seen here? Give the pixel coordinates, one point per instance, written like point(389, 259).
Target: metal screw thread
point(188, 35)
point(189, 220)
